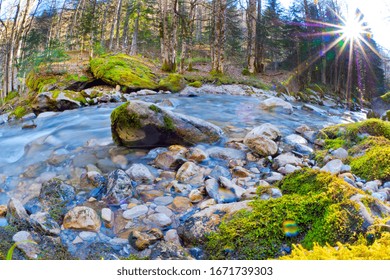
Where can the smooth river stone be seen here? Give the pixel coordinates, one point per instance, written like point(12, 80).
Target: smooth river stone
point(135, 212)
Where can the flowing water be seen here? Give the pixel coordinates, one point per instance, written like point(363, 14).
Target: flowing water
point(27, 155)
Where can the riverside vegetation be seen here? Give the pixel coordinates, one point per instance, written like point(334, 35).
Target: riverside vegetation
point(174, 186)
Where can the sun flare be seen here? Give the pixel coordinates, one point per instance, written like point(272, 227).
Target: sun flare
point(353, 28)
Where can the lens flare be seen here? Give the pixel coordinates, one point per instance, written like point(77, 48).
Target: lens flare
point(290, 228)
point(353, 28)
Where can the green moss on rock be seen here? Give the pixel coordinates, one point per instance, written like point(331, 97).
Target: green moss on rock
point(196, 84)
point(173, 83)
point(127, 71)
point(317, 202)
point(386, 97)
point(123, 123)
point(19, 112)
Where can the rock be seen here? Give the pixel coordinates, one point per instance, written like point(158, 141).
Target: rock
point(276, 103)
point(340, 153)
point(160, 219)
point(303, 149)
point(139, 123)
point(26, 244)
point(229, 185)
point(380, 196)
point(119, 187)
point(302, 129)
point(225, 153)
point(220, 171)
point(196, 154)
point(107, 217)
point(319, 111)
point(371, 186)
point(92, 179)
point(3, 210)
point(164, 209)
point(135, 212)
point(196, 227)
point(140, 173)
point(266, 129)
point(44, 223)
point(274, 177)
point(293, 139)
point(333, 166)
point(284, 159)
point(169, 251)
point(176, 187)
point(55, 192)
point(262, 145)
point(16, 213)
point(181, 204)
point(288, 169)
point(195, 196)
point(220, 195)
point(169, 160)
point(311, 137)
point(82, 218)
point(142, 240)
point(241, 172)
point(271, 193)
point(163, 200)
point(172, 236)
point(190, 173)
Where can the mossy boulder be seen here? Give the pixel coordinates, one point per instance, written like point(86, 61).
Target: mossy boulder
point(142, 124)
point(57, 100)
point(173, 83)
point(317, 204)
point(130, 72)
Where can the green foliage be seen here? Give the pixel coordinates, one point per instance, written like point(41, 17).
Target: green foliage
point(386, 97)
point(173, 82)
point(120, 69)
point(335, 143)
point(169, 125)
point(155, 108)
point(10, 96)
point(379, 250)
point(317, 202)
point(196, 84)
point(11, 250)
point(245, 72)
point(19, 112)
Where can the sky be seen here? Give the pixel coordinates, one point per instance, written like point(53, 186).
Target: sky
point(376, 14)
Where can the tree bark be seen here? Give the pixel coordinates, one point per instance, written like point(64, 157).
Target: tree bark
point(168, 34)
point(219, 19)
point(251, 42)
point(134, 39)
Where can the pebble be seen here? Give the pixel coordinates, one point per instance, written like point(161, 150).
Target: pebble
point(163, 200)
point(135, 212)
point(165, 210)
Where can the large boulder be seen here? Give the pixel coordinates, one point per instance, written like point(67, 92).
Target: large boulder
point(261, 139)
point(57, 101)
point(275, 103)
point(143, 124)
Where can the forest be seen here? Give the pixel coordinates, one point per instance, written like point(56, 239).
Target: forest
point(194, 130)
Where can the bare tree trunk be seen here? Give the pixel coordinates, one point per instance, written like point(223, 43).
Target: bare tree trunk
point(251, 43)
point(259, 49)
point(168, 34)
point(118, 24)
point(134, 40)
point(58, 31)
point(103, 29)
point(125, 38)
point(73, 25)
point(114, 24)
point(219, 13)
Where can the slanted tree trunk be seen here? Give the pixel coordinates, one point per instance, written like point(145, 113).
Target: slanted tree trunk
point(219, 24)
point(251, 42)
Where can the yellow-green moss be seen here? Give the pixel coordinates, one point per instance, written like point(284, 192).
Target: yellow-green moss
point(173, 83)
point(317, 202)
point(120, 117)
point(38, 82)
point(19, 112)
point(196, 84)
point(155, 108)
point(379, 250)
point(169, 125)
point(11, 95)
point(386, 97)
point(127, 71)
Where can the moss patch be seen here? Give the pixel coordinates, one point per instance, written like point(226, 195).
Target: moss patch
point(19, 112)
point(155, 108)
point(386, 97)
point(379, 250)
point(168, 122)
point(173, 83)
point(120, 118)
point(317, 202)
point(127, 71)
point(196, 84)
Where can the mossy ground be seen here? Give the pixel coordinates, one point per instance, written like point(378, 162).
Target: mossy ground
point(368, 143)
point(317, 202)
point(129, 72)
point(379, 250)
point(173, 82)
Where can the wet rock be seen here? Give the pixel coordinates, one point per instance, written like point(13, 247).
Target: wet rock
point(107, 217)
point(169, 251)
point(229, 185)
point(119, 187)
point(371, 186)
point(303, 149)
point(176, 188)
point(262, 145)
point(195, 196)
point(190, 173)
point(267, 130)
point(220, 171)
point(169, 160)
point(284, 159)
point(3, 210)
point(42, 222)
point(340, 153)
point(160, 219)
point(181, 204)
point(333, 166)
point(274, 177)
point(159, 126)
point(82, 218)
point(164, 209)
point(196, 154)
point(142, 240)
point(92, 179)
point(379, 195)
point(135, 212)
point(220, 195)
point(241, 172)
point(163, 200)
point(172, 236)
point(16, 213)
point(225, 153)
point(197, 226)
point(271, 193)
point(288, 169)
point(55, 192)
point(293, 139)
point(140, 173)
point(302, 129)
point(26, 244)
point(83, 159)
point(277, 104)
